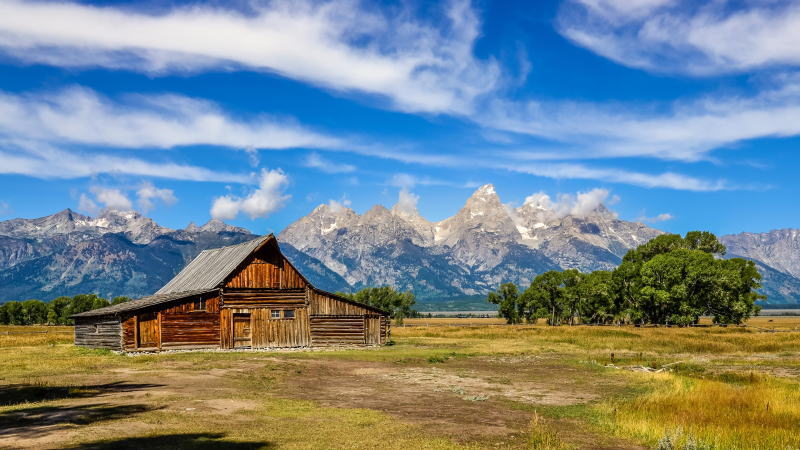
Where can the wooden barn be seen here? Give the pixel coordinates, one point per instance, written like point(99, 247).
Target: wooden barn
point(241, 296)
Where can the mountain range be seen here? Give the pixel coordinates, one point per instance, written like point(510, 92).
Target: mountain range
point(447, 263)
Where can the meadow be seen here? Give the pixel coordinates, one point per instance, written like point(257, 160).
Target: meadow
point(445, 383)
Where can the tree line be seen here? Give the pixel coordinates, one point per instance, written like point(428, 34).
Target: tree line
point(55, 312)
point(397, 304)
point(670, 280)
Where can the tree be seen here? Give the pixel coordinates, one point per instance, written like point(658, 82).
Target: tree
point(58, 311)
point(120, 299)
point(84, 302)
point(507, 296)
point(34, 312)
point(14, 313)
point(595, 294)
point(398, 304)
point(545, 297)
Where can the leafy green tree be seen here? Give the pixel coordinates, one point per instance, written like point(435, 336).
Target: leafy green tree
point(735, 292)
point(3, 315)
point(120, 299)
point(398, 304)
point(595, 294)
point(58, 311)
point(34, 312)
point(14, 313)
point(84, 302)
point(508, 299)
point(545, 297)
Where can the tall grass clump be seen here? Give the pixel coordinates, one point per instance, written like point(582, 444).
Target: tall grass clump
point(737, 411)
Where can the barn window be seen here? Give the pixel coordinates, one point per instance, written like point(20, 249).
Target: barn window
point(200, 305)
point(288, 314)
point(275, 314)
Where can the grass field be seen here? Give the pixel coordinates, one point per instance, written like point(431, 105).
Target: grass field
point(446, 383)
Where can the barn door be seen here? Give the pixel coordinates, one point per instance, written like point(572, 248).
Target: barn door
point(242, 332)
point(372, 330)
point(147, 328)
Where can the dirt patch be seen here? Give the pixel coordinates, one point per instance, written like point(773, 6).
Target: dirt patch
point(467, 400)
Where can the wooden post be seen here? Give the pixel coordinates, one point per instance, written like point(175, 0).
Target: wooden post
point(136, 331)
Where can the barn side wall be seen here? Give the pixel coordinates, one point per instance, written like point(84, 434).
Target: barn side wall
point(180, 326)
point(337, 322)
point(98, 332)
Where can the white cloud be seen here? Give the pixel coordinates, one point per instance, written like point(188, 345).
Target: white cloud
point(580, 204)
point(263, 201)
point(407, 201)
point(345, 45)
point(86, 204)
point(41, 160)
point(667, 180)
point(111, 198)
point(339, 206)
point(686, 130)
point(316, 161)
point(696, 38)
point(658, 218)
point(81, 116)
point(225, 208)
point(148, 193)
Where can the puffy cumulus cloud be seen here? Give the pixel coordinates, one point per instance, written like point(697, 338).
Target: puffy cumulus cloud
point(580, 204)
point(696, 38)
point(407, 201)
point(336, 206)
point(345, 45)
point(314, 160)
point(86, 204)
point(148, 194)
point(655, 219)
point(266, 199)
point(111, 198)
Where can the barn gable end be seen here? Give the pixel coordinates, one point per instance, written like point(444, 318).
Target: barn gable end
point(243, 296)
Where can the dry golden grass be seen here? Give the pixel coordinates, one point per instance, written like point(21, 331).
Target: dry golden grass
point(710, 398)
point(18, 336)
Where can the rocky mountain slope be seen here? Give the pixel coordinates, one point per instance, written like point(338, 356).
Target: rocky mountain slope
point(482, 245)
point(116, 253)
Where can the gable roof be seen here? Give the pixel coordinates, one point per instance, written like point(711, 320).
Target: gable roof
point(210, 268)
point(151, 300)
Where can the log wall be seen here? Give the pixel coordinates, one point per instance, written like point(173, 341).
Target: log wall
point(182, 326)
point(248, 298)
point(337, 330)
point(98, 332)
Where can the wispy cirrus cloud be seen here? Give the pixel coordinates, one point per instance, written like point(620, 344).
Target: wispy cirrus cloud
point(682, 36)
point(43, 160)
point(314, 160)
point(82, 116)
point(344, 45)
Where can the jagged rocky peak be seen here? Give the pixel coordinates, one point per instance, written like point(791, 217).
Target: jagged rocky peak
point(214, 226)
point(483, 213)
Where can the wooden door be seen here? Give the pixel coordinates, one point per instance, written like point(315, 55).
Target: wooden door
point(147, 330)
point(372, 330)
point(242, 332)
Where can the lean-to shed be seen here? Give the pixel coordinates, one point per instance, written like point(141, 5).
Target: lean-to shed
point(241, 296)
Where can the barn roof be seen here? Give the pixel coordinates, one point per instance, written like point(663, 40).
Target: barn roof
point(151, 300)
point(210, 268)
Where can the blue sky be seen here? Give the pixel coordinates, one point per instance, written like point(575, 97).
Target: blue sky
point(680, 114)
